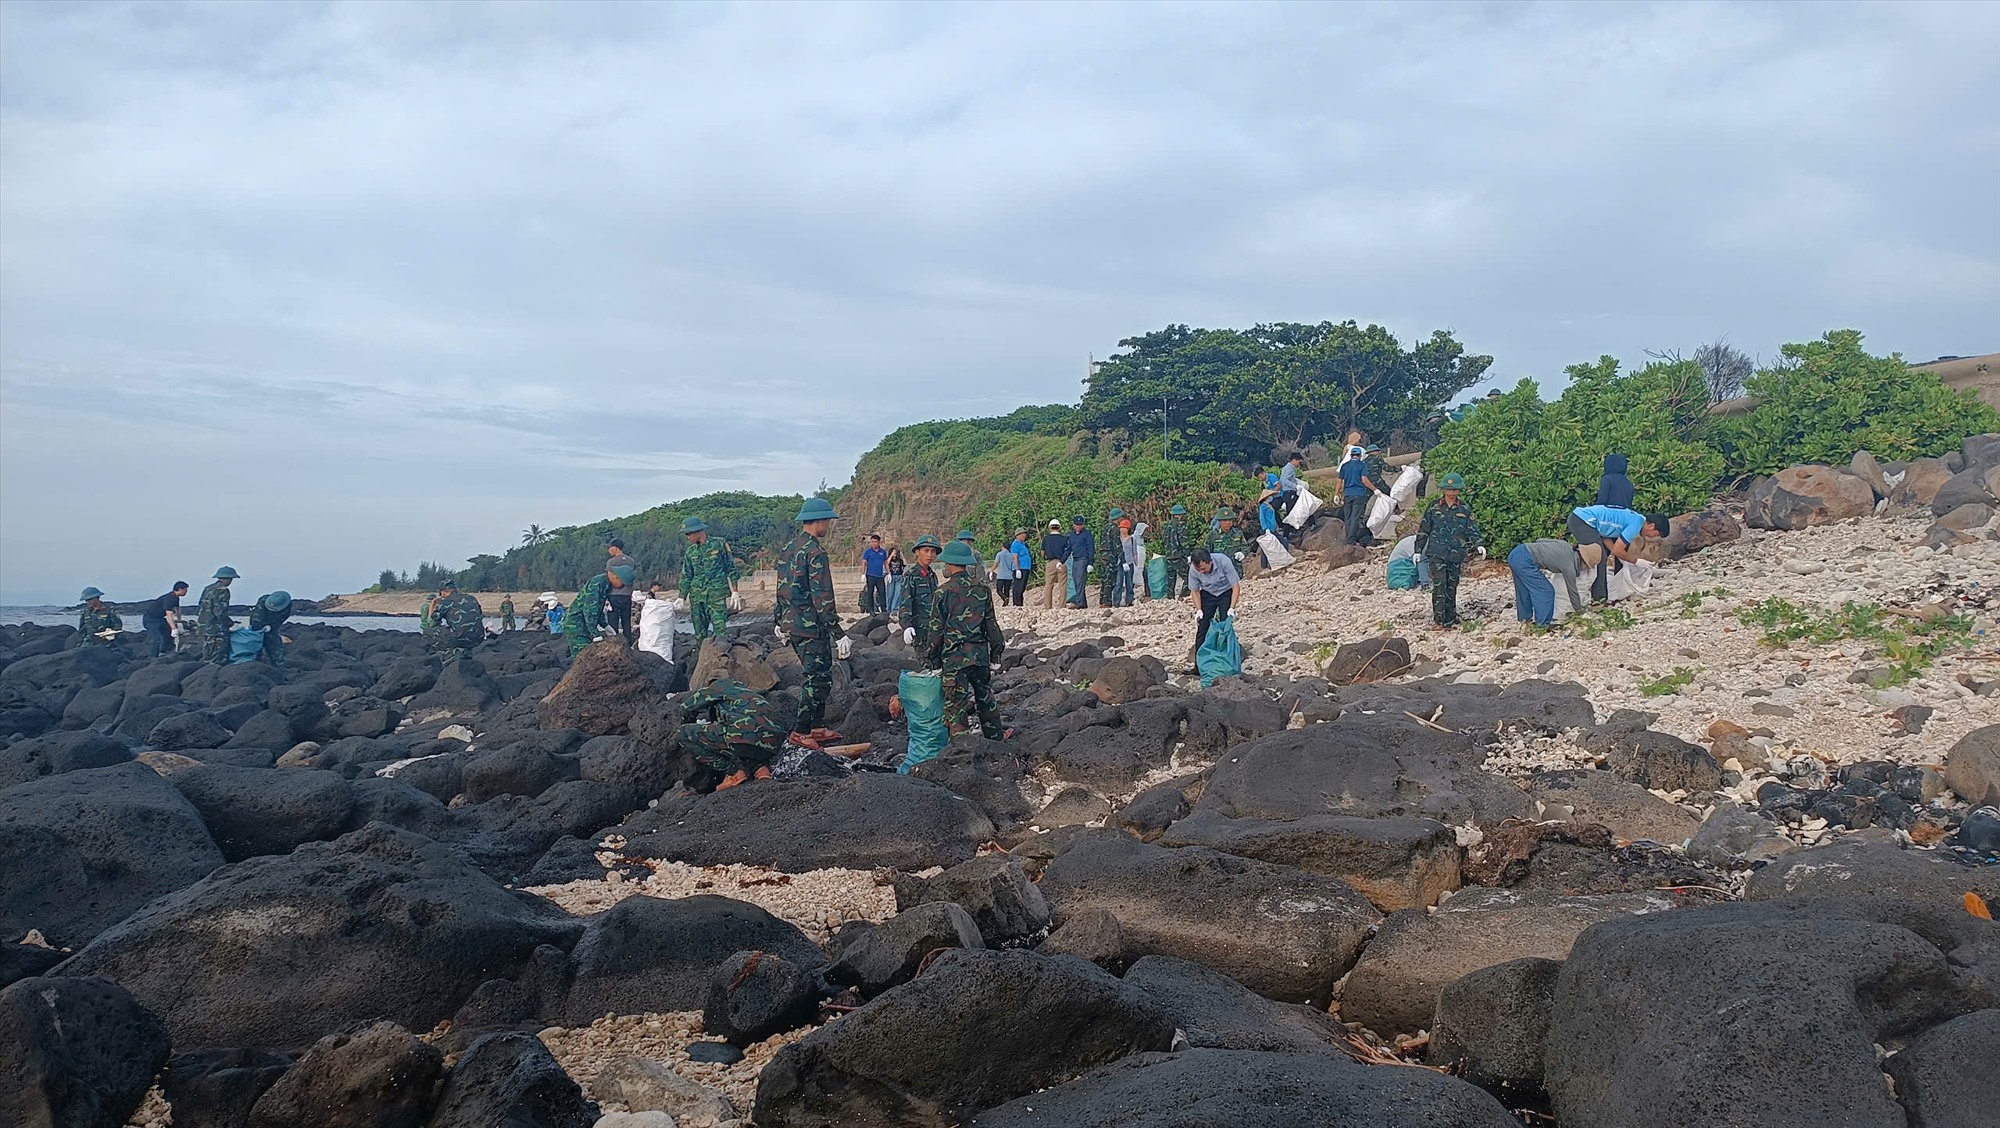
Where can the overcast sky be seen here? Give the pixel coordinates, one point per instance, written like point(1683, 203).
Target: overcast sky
point(314, 290)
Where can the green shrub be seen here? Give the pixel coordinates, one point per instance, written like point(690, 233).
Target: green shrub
point(1831, 398)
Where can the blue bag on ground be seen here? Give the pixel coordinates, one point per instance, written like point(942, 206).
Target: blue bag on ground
point(923, 708)
point(245, 645)
point(1219, 656)
point(1156, 577)
point(1402, 573)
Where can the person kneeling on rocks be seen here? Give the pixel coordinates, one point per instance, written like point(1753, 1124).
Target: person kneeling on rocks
point(964, 640)
point(731, 729)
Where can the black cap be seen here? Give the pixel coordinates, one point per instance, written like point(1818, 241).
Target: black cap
point(617, 544)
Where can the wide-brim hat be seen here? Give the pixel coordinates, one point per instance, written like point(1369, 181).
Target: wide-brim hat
point(624, 573)
point(963, 535)
point(958, 552)
point(277, 600)
point(1225, 513)
point(816, 509)
point(1116, 513)
point(925, 541)
point(693, 525)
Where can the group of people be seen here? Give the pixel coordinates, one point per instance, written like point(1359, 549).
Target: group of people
point(215, 632)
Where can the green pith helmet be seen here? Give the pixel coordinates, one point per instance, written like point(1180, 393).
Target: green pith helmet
point(624, 573)
point(693, 525)
point(1452, 481)
point(925, 541)
point(1116, 513)
point(277, 601)
point(1177, 511)
point(964, 535)
point(958, 552)
point(1224, 513)
point(225, 573)
point(448, 583)
point(817, 509)
point(92, 593)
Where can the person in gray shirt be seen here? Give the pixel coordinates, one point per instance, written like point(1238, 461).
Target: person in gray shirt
point(1212, 584)
point(1534, 595)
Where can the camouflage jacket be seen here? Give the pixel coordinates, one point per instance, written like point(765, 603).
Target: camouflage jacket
point(740, 714)
point(585, 617)
point(458, 618)
point(706, 569)
point(90, 621)
point(263, 619)
point(212, 617)
point(507, 613)
point(1448, 532)
point(963, 630)
point(810, 607)
point(920, 586)
point(1110, 551)
point(781, 567)
point(1229, 542)
point(1174, 541)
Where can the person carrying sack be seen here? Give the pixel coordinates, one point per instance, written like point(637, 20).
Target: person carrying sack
point(1212, 582)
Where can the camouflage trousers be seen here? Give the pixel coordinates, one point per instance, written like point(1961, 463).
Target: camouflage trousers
point(815, 653)
point(712, 750)
point(708, 613)
point(1177, 570)
point(969, 689)
point(215, 648)
point(1444, 592)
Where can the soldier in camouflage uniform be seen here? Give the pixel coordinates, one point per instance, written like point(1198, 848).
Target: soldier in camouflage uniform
point(920, 584)
point(268, 616)
point(1110, 556)
point(965, 641)
point(708, 579)
point(1223, 535)
point(732, 729)
point(1446, 536)
point(212, 623)
point(1175, 548)
point(457, 623)
point(585, 619)
point(507, 614)
point(808, 618)
point(96, 618)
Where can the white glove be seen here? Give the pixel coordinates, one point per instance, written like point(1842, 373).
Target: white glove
point(1482, 552)
point(909, 636)
point(735, 601)
point(844, 647)
point(778, 629)
point(1239, 558)
point(1088, 569)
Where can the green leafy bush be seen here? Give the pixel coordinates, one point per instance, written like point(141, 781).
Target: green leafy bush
point(1831, 398)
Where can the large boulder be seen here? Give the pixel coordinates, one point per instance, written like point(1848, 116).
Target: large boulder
point(1741, 1014)
point(188, 731)
point(1280, 931)
point(1394, 987)
point(1660, 761)
point(75, 1053)
point(865, 821)
point(1216, 1012)
point(1920, 481)
point(930, 1053)
point(1921, 890)
point(1971, 486)
point(80, 851)
point(516, 769)
point(57, 753)
point(995, 890)
point(650, 954)
point(462, 690)
point(1364, 770)
point(1630, 810)
point(1214, 1088)
point(252, 811)
point(1972, 766)
point(1370, 660)
point(1799, 496)
point(1944, 1077)
point(605, 685)
point(1692, 532)
point(1491, 1024)
point(378, 1077)
point(754, 995)
point(218, 1088)
point(875, 958)
point(406, 677)
point(1396, 863)
point(278, 952)
point(511, 1080)
point(648, 771)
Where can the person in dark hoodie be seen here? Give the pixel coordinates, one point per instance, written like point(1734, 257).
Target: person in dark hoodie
point(1614, 488)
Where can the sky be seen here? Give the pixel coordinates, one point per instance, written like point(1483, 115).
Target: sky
point(314, 290)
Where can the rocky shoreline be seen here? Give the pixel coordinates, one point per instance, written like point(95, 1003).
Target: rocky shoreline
point(1384, 877)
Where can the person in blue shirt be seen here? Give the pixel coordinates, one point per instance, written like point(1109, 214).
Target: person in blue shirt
point(1082, 553)
point(874, 573)
point(1024, 563)
point(1614, 529)
point(1356, 488)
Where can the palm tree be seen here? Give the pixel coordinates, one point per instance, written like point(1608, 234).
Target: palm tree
point(534, 535)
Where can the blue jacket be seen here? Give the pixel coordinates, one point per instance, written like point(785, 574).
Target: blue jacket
point(1083, 546)
point(1023, 559)
point(1612, 521)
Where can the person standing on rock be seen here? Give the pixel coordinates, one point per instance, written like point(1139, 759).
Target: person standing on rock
point(1212, 581)
point(507, 613)
point(1614, 530)
point(1055, 558)
point(162, 620)
point(1447, 534)
point(1110, 558)
point(1534, 595)
point(584, 620)
point(97, 622)
point(1082, 556)
point(874, 576)
point(620, 613)
point(920, 584)
point(709, 579)
point(458, 623)
point(964, 642)
point(211, 618)
point(811, 619)
point(1288, 481)
point(1174, 546)
point(1024, 563)
point(267, 617)
point(732, 730)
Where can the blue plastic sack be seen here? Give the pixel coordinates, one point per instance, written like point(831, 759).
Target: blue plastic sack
point(245, 645)
point(1219, 656)
point(1402, 573)
point(1156, 577)
point(923, 708)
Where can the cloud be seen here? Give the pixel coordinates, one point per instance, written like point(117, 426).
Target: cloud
point(333, 288)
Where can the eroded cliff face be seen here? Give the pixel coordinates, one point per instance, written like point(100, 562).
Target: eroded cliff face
point(902, 510)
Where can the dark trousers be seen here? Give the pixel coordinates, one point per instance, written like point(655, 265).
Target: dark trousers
point(874, 594)
point(1354, 515)
point(1444, 592)
point(1213, 607)
point(159, 640)
point(815, 653)
point(1017, 588)
point(1079, 568)
point(618, 615)
point(1581, 532)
